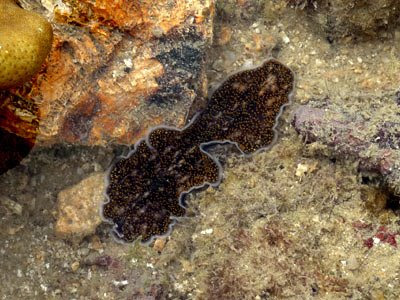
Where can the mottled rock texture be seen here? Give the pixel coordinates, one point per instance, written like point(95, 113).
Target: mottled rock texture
point(373, 143)
point(355, 19)
point(117, 68)
point(231, 10)
point(78, 208)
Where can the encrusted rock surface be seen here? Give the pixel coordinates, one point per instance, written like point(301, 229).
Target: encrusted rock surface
point(358, 20)
point(373, 141)
point(78, 208)
point(118, 68)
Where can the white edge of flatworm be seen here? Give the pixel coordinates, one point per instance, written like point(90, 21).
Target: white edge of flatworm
point(174, 219)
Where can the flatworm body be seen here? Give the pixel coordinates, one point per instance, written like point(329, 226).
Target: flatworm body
point(146, 188)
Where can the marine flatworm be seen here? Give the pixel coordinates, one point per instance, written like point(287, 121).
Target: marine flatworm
point(146, 188)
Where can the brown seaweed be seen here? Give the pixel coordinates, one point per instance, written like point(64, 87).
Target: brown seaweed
point(146, 188)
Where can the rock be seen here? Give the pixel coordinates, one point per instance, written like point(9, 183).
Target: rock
point(159, 244)
point(373, 143)
point(355, 19)
point(75, 266)
point(353, 263)
point(11, 205)
point(129, 66)
point(238, 9)
point(78, 208)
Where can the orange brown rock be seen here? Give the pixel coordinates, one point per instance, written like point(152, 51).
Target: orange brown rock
point(114, 76)
point(142, 18)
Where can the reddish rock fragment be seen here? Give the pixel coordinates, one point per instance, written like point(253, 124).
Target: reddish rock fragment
point(386, 237)
point(369, 243)
point(359, 225)
point(102, 261)
point(383, 235)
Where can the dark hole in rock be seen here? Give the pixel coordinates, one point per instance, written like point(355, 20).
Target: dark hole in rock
point(393, 203)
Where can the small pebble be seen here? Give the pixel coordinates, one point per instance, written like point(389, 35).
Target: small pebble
point(352, 263)
point(301, 170)
point(75, 266)
point(157, 31)
point(120, 283)
point(11, 205)
point(318, 62)
point(285, 38)
point(95, 243)
point(218, 65)
point(230, 56)
point(159, 244)
point(207, 231)
point(225, 36)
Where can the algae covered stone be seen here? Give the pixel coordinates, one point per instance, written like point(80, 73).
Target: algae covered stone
point(358, 20)
point(25, 41)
